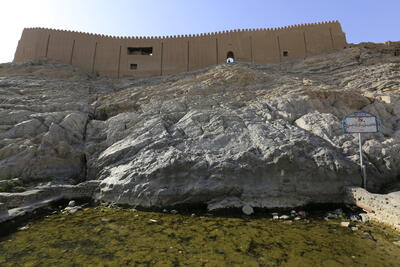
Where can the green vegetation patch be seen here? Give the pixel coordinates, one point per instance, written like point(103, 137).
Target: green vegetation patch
point(117, 237)
point(12, 187)
point(7, 187)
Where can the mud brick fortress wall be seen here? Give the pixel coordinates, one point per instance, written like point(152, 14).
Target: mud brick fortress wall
point(154, 56)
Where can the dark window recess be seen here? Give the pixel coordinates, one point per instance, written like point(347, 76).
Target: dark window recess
point(285, 53)
point(230, 55)
point(133, 66)
point(147, 51)
point(397, 52)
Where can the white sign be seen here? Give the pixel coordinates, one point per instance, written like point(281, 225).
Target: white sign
point(360, 122)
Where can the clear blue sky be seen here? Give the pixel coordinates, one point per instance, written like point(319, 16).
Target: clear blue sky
point(362, 20)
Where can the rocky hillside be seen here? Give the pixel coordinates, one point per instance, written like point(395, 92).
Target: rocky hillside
point(266, 135)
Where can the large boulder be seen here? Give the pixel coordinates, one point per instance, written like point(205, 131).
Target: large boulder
point(211, 156)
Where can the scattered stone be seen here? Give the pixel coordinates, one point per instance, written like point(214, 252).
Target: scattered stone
point(153, 221)
point(72, 210)
point(71, 203)
point(26, 227)
point(133, 210)
point(274, 214)
point(364, 217)
point(174, 211)
point(339, 212)
point(354, 228)
point(397, 243)
point(104, 220)
point(165, 210)
point(368, 235)
point(331, 216)
point(248, 210)
point(345, 224)
point(193, 215)
point(284, 217)
point(297, 218)
point(275, 217)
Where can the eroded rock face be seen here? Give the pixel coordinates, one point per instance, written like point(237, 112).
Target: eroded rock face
point(43, 122)
point(209, 156)
point(232, 135)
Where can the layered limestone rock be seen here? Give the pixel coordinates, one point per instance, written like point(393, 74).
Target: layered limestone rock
point(230, 135)
point(378, 207)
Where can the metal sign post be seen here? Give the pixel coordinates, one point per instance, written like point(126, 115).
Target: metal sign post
point(363, 169)
point(361, 122)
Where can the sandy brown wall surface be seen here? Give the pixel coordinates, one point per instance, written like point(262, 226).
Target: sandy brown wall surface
point(108, 56)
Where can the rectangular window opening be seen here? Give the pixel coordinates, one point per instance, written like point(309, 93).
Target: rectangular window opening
point(133, 66)
point(146, 51)
point(285, 53)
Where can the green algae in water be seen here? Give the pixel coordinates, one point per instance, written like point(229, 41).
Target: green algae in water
point(115, 237)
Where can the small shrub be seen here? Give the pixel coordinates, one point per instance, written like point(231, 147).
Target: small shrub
point(7, 187)
point(10, 187)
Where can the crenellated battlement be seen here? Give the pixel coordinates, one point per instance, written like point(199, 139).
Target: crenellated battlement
point(144, 56)
point(289, 27)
